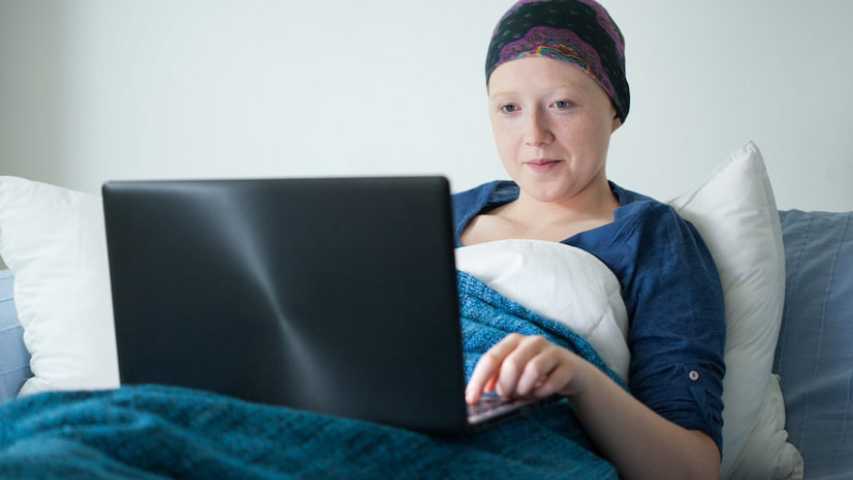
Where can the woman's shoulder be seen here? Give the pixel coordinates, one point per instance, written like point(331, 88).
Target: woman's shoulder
point(474, 192)
point(473, 198)
point(655, 231)
point(482, 191)
point(643, 212)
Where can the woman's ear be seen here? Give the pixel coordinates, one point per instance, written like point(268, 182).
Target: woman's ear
point(615, 124)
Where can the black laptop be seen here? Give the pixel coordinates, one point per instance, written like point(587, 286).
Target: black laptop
point(336, 295)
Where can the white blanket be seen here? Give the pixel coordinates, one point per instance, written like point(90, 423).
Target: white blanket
point(560, 282)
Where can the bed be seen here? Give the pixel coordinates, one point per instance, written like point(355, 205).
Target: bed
point(812, 361)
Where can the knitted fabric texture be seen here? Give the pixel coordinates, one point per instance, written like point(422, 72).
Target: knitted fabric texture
point(155, 431)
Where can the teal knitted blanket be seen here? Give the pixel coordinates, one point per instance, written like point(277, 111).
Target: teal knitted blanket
point(155, 431)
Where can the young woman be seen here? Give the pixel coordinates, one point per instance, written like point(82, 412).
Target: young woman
point(555, 77)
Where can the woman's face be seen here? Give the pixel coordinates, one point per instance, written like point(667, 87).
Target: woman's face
point(541, 108)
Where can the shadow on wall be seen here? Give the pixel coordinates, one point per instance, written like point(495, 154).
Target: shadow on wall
point(36, 119)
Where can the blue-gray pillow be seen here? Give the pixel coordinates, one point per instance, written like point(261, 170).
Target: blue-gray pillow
point(814, 355)
point(14, 358)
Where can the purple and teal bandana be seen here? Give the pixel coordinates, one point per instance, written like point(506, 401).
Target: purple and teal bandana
point(580, 32)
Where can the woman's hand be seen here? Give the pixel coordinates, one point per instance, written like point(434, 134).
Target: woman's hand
point(527, 367)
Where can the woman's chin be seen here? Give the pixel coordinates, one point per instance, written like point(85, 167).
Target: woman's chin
point(539, 191)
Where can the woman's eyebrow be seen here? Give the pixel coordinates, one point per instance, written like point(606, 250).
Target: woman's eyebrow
point(496, 95)
point(560, 88)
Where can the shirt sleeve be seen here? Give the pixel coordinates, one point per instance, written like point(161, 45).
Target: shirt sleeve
point(677, 330)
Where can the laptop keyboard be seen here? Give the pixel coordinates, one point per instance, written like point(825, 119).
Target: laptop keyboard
point(492, 405)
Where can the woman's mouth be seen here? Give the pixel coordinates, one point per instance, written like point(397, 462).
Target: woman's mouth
point(542, 166)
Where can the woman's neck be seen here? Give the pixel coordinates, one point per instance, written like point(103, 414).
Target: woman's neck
point(594, 201)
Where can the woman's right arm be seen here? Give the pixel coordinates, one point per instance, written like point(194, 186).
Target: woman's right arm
point(638, 441)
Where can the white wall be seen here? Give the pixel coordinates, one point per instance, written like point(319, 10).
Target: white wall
point(92, 90)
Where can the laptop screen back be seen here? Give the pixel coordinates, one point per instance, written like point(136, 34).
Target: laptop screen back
point(331, 294)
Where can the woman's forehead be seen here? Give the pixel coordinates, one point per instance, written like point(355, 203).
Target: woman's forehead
point(538, 76)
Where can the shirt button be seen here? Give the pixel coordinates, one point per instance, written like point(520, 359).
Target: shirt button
point(693, 375)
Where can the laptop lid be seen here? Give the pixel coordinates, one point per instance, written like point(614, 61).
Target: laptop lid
point(336, 295)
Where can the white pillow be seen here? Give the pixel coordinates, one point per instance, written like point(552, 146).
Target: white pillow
point(736, 214)
point(767, 453)
point(559, 282)
point(53, 241)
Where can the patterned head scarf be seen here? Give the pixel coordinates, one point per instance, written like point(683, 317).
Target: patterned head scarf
point(580, 32)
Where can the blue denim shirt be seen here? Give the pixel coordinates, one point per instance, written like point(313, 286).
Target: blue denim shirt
point(672, 293)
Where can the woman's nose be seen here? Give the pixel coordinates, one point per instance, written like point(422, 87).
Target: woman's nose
point(536, 131)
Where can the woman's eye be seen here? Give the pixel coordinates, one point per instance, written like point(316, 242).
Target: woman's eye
point(561, 105)
point(503, 107)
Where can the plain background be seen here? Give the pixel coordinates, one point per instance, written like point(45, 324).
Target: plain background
point(92, 90)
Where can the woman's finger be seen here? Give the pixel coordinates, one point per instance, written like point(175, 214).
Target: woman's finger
point(490, 385)
point(537, 371)
point(516, 362)
point(489, 365)
point(556, 382)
